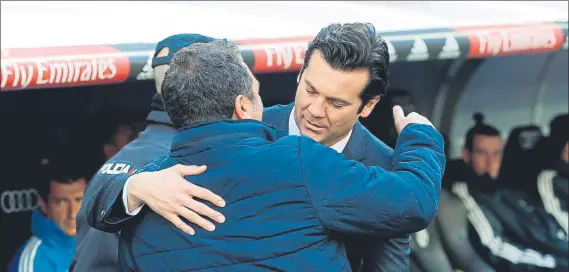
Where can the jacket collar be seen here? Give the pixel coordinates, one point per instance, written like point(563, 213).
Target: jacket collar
point(204, 136)
point(49, 232)
point(280, 119)
point(159, 117)
point(357, 143)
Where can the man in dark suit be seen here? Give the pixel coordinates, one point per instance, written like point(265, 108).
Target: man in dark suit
point(345, 72)
point(291, 200)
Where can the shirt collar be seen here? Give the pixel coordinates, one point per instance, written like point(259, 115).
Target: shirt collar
point(293, 130)
point(48, 231)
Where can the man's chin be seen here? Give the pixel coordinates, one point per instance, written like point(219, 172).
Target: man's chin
point(70, 232)
point(311, 134)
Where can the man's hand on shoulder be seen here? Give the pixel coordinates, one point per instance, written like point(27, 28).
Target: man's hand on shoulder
point(401, 121)
point(168, 194)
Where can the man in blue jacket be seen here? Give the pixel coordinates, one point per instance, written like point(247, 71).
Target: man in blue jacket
point(52, 244)
point(97, 250)
point(290, 200)
point(332, 94)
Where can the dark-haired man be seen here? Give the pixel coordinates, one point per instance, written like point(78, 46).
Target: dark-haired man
point(483, 149)
point(345, 72)
point(52, 244)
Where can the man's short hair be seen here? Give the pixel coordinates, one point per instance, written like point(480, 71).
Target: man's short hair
point(63, 169)
point(479, 128)
point(353, 46)
point(203, 82)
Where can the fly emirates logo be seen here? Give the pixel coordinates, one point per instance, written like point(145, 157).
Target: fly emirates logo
point(56, 71)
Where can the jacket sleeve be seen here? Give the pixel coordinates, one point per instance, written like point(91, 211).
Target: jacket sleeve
point(103, 199)
point(353, 199)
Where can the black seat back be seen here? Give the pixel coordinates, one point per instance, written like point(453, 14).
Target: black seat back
point(521, 163)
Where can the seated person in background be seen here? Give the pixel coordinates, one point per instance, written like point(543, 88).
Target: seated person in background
point(121, 136)
point(52, 245)
point(504, 228)
point(289, 200)
point(553, 182)
point(481, 155)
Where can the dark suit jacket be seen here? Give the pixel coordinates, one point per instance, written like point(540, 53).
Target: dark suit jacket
point(377, 254)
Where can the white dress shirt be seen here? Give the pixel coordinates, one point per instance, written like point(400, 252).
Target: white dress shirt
point(293, 130)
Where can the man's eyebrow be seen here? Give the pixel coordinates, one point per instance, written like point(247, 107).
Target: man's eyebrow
point(310, 85)
point(329, 98)
point(339, 100)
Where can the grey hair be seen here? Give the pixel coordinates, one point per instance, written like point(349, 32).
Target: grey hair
point(203, 82)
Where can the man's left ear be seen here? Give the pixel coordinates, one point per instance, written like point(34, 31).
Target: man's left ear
point(243, 108)
point(368, 108)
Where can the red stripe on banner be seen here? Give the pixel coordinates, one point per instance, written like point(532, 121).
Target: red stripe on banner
point(26, 68)
point(510, 40)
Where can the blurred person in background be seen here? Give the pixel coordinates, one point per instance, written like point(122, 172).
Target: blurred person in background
point(483, 150)
point(508, 232)
point(121, 136)
point(52, 245)
point(553, 181)
point(346, 70)
point(481, 156)
point(97, 250)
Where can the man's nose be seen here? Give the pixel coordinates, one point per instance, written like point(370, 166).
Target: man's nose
point(73, 210)
point(317, 109)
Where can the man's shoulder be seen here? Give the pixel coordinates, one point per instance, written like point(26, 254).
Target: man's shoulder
point(136, 154)
point(303, 145)
point(368, 147)
point(149, 142)
point(277, 115)
point(30, 255)
point(289, 141)
point(278, 108)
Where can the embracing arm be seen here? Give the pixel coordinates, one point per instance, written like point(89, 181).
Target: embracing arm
point(166, 192)
point(351, 198)
point(103, 196)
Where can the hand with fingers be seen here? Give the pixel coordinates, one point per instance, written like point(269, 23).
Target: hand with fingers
point(401, 121)
point(168, 194)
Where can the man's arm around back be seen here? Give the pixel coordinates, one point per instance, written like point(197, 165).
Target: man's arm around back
point(351, 198)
